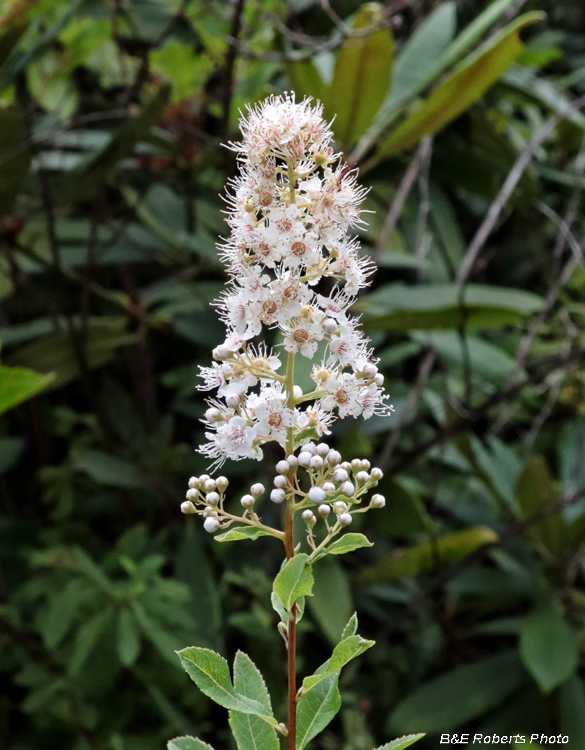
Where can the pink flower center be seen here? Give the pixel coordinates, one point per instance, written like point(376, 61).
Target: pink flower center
point(300, 335)
point(299, 248)
point(264, 249)
point(290, 292)
point(342, 397)
point(269, 307)
point(285, 225)
point(275, 419)
point(265, 199)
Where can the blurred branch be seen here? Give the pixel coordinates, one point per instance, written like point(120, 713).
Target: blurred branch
point(230, 61)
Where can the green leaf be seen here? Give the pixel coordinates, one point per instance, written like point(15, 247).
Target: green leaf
point(460, 696)
point(548, 647)
point(362, 74)
point(351, 627)
point(86, 640)
point(437, 306)
point(17, 384)
point(305, 79)
point(164, 643)
point(92, 571)
point(428, 555)
point(402, 742)
point(348, 543)
point(210, 672)
point(468, 82)
point(127, 638)
point(294, 580)
point(251, 732)
point(535, 488)
point(187, 743)
point(62, 611)
point(241, 532)
point(106, 469)
point(316, 709)
point(343, 653)
point(331, 611)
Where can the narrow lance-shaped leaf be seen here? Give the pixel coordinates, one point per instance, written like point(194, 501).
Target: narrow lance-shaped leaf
point(210, 672)
point(251, 732)
point(294, 580)
point(466, 84)
point(362, 74)
point(351, 627)
point(342, 654)
point(348, 543)
point(241, 532)
point(402, 742)
point(17, 384)
point(316, 709)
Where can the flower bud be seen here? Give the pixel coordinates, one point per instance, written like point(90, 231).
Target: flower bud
point(333, 458)
point(346, 465)
point(309, 518)
point(257, 489)
point(292, 461)
point(297, 391)
point(188, 507)
point(282, 467)
point(340, 507)
point(329, 325)
point(365, 464)
point(304, 458)
point(377, 474)
point(370, 370)
point(340, 475)
point(232, 400)
point(309, 448)
point(316, 462)
point(203, 478)
point(211, 525)
point(322, 450)
point(279, 481)
point(220, 352)
point(247, 501)
point(212, 498)
point(328, 486)
point(221, 483)
point(316, 495)
point(213, 415)
point(324, 510)
point(356, 464)
point(345, 519)
point(347, 489)
point(378, 501)
point(191, 495)
point(379, 380)
point(194, 483)
point(362, 476)
point(209, 485)
point(277, 496)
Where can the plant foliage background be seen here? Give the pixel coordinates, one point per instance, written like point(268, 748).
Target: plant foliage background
point(466, 120)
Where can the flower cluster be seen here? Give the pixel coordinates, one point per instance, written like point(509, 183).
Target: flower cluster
point(334, 492)
point(292, 267)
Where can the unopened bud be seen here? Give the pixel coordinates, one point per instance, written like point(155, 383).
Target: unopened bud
point(365, 464)
point(370, 370)
point(277, 496)
point(324, 510)
point(213, 415)
point(347, 488)
point(282, 467)
point(328, 486)
point(191, 495)
point(345, 519)
point(247, 501)
point(316, 495)
point(292, 461)
point(377, 474)
point(378, 501)
point(309, 518)
point(333, 458)
point(379, 380)
point(209, 485)
point(356, 464)
point(304, 458)
point(232, 400)
point(257, 489)
point(316, 462)
point(309, 448)
point(322, 449)
point(280, 481)
point(187, 507)
point(194, 483)
point(340, 507)
point(329, 325)
point(211, 525)
point(203, 478)
point(362, 476)
point(297, 391)
point(212, 498)
point(340, 475)
point(221, 483)
point(221, 352)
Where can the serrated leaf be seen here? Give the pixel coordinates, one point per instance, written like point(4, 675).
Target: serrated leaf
point(316, 709)
point(241, 532)
point(402, 742)
point(187, 743)
point(127, 638)
point(348, 649)
point(348, 543)
point(548, 647)
point(251, 732)
point(351, 627)
point(210, 672)
point(294, 580)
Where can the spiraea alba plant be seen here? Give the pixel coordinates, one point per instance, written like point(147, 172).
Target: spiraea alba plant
point(294, 269)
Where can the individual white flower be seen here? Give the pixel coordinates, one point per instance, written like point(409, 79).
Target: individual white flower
point(273, 418)
point(232, 440)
